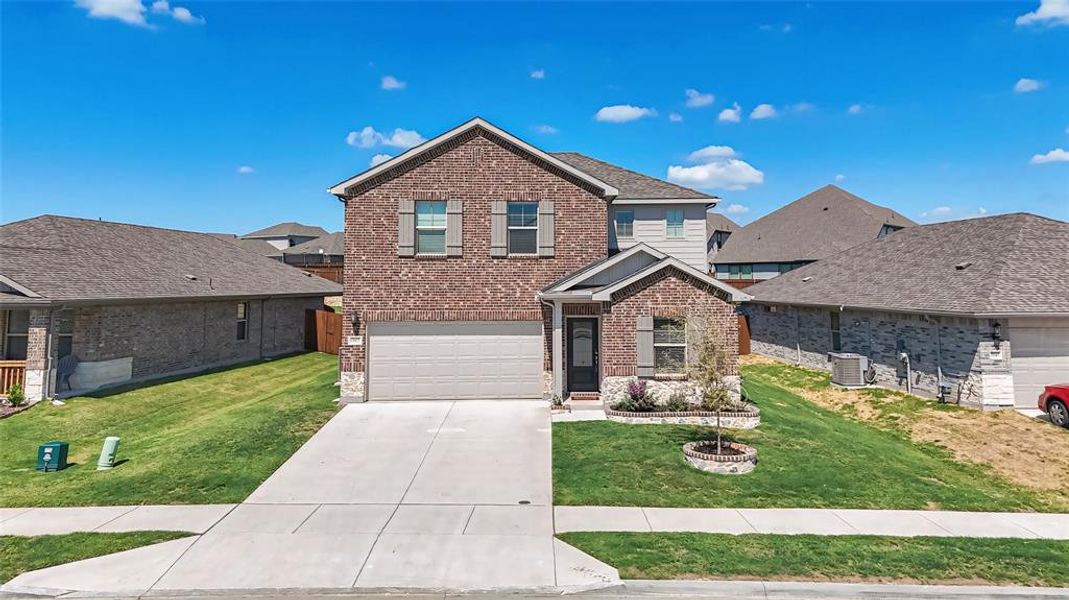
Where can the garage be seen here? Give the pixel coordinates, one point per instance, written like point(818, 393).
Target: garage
point(455, 360)
point(1039, 349)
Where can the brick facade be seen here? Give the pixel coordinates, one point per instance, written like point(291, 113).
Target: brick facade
point(960, 348)
point(382, 286)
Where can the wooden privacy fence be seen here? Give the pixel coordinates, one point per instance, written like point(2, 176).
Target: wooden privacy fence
point(744, 335)
point(322, 331)
point(12, 372)
point(331, 272)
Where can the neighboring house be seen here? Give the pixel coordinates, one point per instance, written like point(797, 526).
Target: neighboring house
point(819, 224)
point(326, 250)
point(974, 311)
point(718, 229)
point(260, 247)
point(286, 235)
point(479, 266)
point(85, 304)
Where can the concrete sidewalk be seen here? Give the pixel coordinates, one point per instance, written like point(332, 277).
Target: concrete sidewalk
point(196, 518)
point(907, 523)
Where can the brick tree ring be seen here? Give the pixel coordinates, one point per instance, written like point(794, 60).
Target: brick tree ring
point(734, 459)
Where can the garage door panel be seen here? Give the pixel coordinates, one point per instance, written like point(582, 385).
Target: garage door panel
point(1040, 357)
point(422, 361)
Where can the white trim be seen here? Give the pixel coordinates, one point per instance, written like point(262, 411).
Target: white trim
point(557, 353)
point(616, 258)
point(708, 202)
point(18, 287)
point(338, 189)
point(605, 294)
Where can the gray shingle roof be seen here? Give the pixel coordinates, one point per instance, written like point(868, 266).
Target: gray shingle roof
point(332, 244)
point(66, 259)
point(1016, 264)
point(718, 222)
point(258, 246)
point(632, 185)
point(816, 225)
point(287, 229)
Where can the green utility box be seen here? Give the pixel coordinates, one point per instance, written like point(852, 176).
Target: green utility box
point(52, 456)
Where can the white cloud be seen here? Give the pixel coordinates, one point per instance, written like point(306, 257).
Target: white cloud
point(1025, 85)
point(840, 177)
point(378, 159)
point(763, 111)
point(368, 138)
point(538, 74)
point(675, 117)
point(178, 13)
point(731, 115)
point(939, 211)
point(696, 99)
point(802, 107)
point(246, 170)
point(1055, 155)
point(736, 209)
point(546, 129)
point(785, 28)
point(711, 153)
point(982, 210)
point(855, 109)
point(622, 113)
point(948, 213)
point(389, 82)
point(131, 12)
point(1050, 13)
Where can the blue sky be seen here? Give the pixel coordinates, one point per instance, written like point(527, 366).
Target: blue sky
point(132, 112)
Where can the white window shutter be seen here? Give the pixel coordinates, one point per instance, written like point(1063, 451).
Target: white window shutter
point(546, 234)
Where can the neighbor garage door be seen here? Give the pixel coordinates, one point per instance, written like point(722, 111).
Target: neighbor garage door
point(1040, 353)
point(455, 360)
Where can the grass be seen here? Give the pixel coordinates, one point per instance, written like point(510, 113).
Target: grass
point(21, 554)
point(210, 438)
point(808, 456)
point(926, 560)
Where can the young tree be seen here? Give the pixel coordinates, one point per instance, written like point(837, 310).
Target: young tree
point(707, 373)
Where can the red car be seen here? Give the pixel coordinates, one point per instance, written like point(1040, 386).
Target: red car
point(1055, 402)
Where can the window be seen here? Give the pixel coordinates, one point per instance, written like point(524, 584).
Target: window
point(16, 334)
point(625, 223)
point(673, 223)
point(836, 338)
point(430, 227)
point(243, 321)
point(887, 229)
point(786, 267)
point(740, 272)
point(523, 227)
point(64, 334)
point(669, 345)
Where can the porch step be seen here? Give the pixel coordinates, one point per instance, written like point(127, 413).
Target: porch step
point(585, 401)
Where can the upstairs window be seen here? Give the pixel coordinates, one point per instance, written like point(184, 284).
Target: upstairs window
point(522, 228)
point(430, 227)
point(673, 223)
point(625, 224)
point(669, 346)
point(740, 272)
point(243, 321)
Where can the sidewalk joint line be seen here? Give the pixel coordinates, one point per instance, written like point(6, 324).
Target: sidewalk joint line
point(305, 520)
point(467, 522)
point(925, 517)
point(117, 517)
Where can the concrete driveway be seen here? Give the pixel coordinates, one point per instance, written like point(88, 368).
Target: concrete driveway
point(427, 495)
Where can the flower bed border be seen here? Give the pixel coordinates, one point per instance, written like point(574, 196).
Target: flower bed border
point(724, 464)
point(733, 419)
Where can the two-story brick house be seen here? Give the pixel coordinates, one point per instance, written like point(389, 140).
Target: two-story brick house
point(479, 266)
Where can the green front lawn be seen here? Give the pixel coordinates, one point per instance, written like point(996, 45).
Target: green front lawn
point(829, 558)
point(210, 438)
point(21, 554)
point(808, 457)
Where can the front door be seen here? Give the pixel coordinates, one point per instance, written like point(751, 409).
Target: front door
point(583, 355)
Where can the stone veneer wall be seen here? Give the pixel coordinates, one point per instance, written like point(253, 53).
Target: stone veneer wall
point(979, 374)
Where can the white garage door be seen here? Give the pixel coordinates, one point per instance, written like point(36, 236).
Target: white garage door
point(1040, 354)
point(455, 361)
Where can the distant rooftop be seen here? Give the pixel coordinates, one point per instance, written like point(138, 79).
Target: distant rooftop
point(287, 229)
point(632, 185)
point(332, 244)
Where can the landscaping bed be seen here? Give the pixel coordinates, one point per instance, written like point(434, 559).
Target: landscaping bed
point(853, 558)
point(210, 438)
point(810, 457)
point(22, 554)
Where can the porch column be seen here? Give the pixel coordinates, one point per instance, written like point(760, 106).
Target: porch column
point(38, 347)
point(558, 349)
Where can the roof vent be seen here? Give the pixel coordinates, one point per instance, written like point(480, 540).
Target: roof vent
point(807, 279)
point(962, 265)
point(825, 208)
point(191, 277)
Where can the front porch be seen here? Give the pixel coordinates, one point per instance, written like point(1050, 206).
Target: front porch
point(12, 372)
point(34, 339)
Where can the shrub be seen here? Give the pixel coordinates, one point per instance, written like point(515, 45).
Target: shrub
point(677, 402)
point(15, 395)
point(638, 399)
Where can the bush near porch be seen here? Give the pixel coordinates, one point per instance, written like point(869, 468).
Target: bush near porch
point(809, 457)
point(209, 438)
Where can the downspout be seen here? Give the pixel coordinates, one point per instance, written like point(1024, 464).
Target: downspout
point(48, 382)
point(263, 309)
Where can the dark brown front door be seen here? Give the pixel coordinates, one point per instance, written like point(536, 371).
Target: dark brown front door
point(583, 355)
point(744, 335)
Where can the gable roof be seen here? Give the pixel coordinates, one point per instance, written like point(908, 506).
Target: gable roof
point(478, 123)
point(718, 222)
point(332, 244)
point(802, 230)
point(287, 229)
point(632, 185)
point(65, 259)
point(1014, 264)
